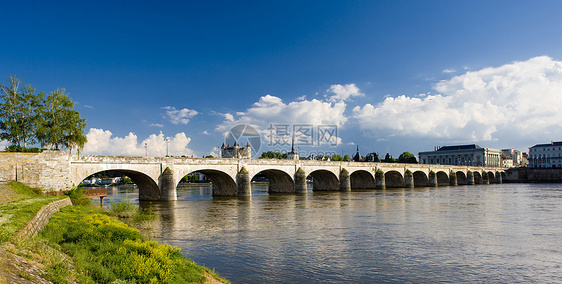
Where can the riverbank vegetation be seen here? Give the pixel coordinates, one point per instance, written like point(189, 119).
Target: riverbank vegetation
point(86, 244)
point(20, 204)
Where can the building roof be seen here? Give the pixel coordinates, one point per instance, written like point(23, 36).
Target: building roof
point(559, 143)
point(459, 147)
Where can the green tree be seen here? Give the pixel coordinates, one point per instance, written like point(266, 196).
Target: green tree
point(407, 158)
point(336, 157)
point(126, 179)
point(18, 113)
point(59, 124)
point(346, 157)
point(273, 155)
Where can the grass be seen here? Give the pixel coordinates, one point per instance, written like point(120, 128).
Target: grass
point(85, 244)
point(15, 215)
point(143, 219)
point(108, 250)
point(124, 209)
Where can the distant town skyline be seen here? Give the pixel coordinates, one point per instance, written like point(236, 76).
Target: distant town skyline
point(389, 76)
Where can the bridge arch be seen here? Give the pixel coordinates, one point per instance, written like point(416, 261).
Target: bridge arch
point(279, 181)
point(362, 179)
point(222, 183)
point(503, 175)
point(148, 189)
point(324, 180)
point(442, 178)
point(393, 179)
point(491, 177)
point(477, 177)
point(461, 178)
point(420, 179)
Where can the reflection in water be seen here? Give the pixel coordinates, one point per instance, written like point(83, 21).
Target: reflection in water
point(488, 233)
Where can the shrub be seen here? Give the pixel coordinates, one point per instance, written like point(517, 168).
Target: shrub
point(111, 251)
point(77, 197)
point(16, 148)
point(379, 174)
point(123, 209)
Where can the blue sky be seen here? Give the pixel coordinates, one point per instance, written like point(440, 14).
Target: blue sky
point(393, 76)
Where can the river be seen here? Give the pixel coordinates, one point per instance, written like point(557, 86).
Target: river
point(499, 233)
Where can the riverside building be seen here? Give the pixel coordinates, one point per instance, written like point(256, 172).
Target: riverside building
point(546, 155)
point(465, 155)
point(236, 151)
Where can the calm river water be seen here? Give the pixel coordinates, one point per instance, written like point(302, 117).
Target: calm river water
point(483, 233)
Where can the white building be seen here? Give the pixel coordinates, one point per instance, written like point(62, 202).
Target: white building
point(236, 151)
point(546, 155)
point(469, 155)
point(515, 155)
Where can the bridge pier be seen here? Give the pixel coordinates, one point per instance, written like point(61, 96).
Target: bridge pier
point(243, 183)
point(345, 180)
point(485, 178)
point(499, 178)
point(380, 182)
point(408, 179)
point(453, 178)
point(469, 178)
point(167, 186)
point(433, 179)
point(300, 181)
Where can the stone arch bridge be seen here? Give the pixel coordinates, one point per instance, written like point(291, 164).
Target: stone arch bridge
point(158, 177)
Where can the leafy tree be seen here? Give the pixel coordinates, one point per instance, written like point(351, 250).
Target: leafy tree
point(336, 157)
point(273, 155)
point(18, 112)
point(126, 180)
point(346, 157)
point(60, 125)
point(27, 118)
point(408, 158)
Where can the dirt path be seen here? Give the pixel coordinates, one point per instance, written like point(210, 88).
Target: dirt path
point(18, 269)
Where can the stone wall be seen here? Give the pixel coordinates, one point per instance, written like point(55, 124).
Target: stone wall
point(49, 169)
point(532, 175)
point(11, 164)
point(42, 217)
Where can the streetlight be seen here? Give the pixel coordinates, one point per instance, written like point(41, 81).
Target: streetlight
point(146, 149)
point(167, 142)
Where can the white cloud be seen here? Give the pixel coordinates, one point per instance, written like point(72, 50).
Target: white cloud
point(4, 144)
point(179, 116)
point(156, 125)
point(228, 116)
point(101, 142)
point(215, 152)
point(272, 110)
point(516, 101)
point(206, 132)
point(344, 92)
point(448, 71)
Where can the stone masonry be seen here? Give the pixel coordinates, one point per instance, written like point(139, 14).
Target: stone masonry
point(42, 217)
point(157, 177)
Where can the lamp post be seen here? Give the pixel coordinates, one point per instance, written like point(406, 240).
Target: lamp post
point(167, 143)
point(146, 149)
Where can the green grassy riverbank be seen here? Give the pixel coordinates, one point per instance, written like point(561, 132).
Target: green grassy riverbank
point(84, 244)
